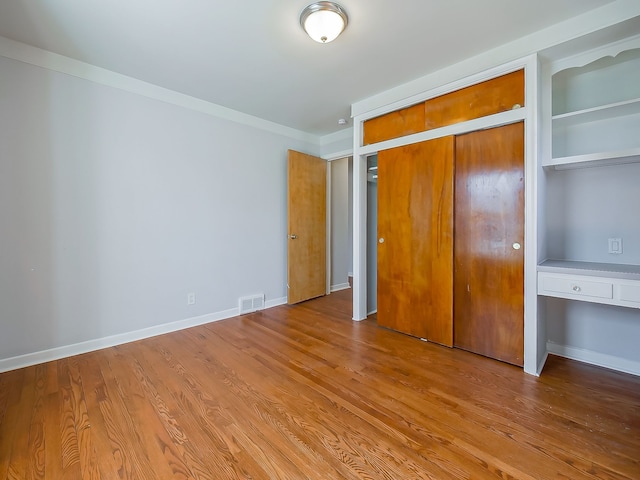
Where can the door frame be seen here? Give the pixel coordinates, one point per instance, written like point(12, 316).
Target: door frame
point(534, 328)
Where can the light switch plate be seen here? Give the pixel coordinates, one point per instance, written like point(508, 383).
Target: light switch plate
point(615, 245)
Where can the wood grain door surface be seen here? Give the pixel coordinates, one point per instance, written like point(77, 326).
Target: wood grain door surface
point(489, 249)
point(306, 217)
point(415, 230)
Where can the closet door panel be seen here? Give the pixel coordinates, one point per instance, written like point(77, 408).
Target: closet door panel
point(415, 230)
point(394, 124)
point(489, 233)
point(486, 98)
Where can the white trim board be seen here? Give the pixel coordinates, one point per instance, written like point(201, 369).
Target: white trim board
point(69, 66)
point(541, 364)
point(339, 286)
point(337, 155)
point(594, 358)
point(29, 359)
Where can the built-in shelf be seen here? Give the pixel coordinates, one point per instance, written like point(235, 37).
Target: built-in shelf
point(590, 117)
point(619, 157)
point(602, 112)
point(596, 108)
point(605, 283)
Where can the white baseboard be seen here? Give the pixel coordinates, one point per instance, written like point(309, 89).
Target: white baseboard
point(540, 367)
point(275, 302)
point(57, 353)
point(595, 358)
point(340, 286)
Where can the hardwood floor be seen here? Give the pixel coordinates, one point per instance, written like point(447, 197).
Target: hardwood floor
point(304, 392)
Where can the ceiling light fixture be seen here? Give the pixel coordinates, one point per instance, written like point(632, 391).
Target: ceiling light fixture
point(323, 21)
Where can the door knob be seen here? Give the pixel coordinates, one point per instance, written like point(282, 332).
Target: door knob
point(516, 246)
point(381, 240)
point(293, 236)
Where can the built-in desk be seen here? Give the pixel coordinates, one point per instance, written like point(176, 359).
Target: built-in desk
point(607, 283)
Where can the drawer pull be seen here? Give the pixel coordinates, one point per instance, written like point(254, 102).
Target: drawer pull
point(576, 288)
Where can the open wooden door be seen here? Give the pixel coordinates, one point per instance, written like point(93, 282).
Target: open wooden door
point(307, 227)
point(415, 246)
point(489, 233)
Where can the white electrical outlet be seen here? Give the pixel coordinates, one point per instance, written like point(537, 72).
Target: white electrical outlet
point(615, 245)
point(191, 298)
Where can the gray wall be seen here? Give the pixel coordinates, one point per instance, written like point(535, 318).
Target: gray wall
point(340, 263)
point(584, 208)
point(587, 206)
point(372, 247)
point(113, 206)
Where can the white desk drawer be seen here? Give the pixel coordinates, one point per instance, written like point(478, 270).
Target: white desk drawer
point(608, 284)
point(630, 293)
point(567, 284)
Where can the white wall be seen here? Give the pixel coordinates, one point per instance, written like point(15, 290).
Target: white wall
point(340, 224)
point(113, 206)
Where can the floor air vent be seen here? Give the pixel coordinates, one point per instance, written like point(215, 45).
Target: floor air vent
point(250, 304)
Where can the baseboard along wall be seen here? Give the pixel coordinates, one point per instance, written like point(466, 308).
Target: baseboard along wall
point(34, 358)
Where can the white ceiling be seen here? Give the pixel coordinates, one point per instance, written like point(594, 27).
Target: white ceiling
point(252, 55)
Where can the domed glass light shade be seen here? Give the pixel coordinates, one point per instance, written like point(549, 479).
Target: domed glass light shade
point(323, 21)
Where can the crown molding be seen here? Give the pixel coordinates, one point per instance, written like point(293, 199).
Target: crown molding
point(69, 66)
point(573, 28)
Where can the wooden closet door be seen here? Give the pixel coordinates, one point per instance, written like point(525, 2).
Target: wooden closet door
point(489, 233)
point(306, 223)
point(415, 246)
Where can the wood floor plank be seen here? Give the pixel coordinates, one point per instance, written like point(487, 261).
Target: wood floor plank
point(277, 446)
point(366, 415)
point(109, 435)
point(19, 414)
point(88, 458)
point(10, 386)
point(36, 445)
point(53, 436)
point(208, 420)
point(163, 454)
point(168, 411)
point(378, 408)
point(138, 457)
point(302, 391)
point(70, 452)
